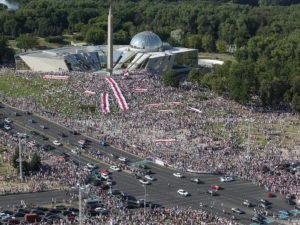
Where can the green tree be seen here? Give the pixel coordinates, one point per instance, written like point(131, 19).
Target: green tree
point(222, 46)
point(195, 76)
point(35, 162)
point(26, 41)
point(95, 36)
point(208, 43)
point(171, 78)
point(15, 158)
point(6, 54)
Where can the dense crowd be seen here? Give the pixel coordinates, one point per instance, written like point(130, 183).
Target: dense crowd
point(212, 139)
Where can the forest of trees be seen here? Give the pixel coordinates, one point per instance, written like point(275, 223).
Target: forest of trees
point(264, 35)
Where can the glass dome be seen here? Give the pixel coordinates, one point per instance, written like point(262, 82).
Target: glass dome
point(147, 41)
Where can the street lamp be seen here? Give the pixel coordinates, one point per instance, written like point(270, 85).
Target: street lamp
point(22, 144)
point(79, 189)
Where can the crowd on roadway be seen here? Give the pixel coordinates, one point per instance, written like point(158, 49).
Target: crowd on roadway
point(206, 131)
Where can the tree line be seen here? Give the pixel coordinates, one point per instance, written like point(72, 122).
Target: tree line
point(263, 36)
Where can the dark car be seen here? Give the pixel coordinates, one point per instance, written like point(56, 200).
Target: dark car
point(66, 212)
point(47, 147)
point(53, 218)
point(44, 138)
point(7, 212)
point(61, 207)
point(23, 210)
point(54, 211)
point(19, 214)
point(33, 132)
point(93, 213)
point(62, 134)
point(38, 212)
point(74, 132)
point(145, 167)
point(17, 114)
point(114, 192)
point(72, 209)
point(31, 121)
point(103, 143)
point(43, 126)
point(195, 180)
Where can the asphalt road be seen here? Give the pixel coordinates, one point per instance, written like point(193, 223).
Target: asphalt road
point(159, 191)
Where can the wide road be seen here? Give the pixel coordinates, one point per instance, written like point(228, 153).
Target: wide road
point(162, 191)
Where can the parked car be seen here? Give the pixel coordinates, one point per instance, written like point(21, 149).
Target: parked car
point(57, 143)
point(196, 180)
point(182, 192)
point(115, 168)
point(247, 203)
point(212, 192)
point(179, 175)
point(149, 177)
point(237, 210)
point(215, 187)
point(144, 181)
point(226, 179)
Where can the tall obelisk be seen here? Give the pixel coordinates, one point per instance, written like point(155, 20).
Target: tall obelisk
point(110, 40)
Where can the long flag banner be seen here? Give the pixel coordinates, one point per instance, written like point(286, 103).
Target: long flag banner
point(139, 90)
point(89, 92)
point(104, 103)
point(164, 141)
point(117, 92)
point(165, 111)
point(195, 110)
point(54, 77)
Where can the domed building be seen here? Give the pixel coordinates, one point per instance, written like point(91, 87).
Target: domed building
point(146, 41)
point(146, 51)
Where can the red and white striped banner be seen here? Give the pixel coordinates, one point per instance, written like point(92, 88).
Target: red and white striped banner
point(174, 103)
point(163, 141)
point(54, 77)
point(89, 92)
point(165, 110)
point(155, 105)
point(196, 110)
point(118, 94)
point(139, 90)
point(104, 103)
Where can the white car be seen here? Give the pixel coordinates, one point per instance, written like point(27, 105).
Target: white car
point(82, 142)
point(7, 120)
point(90, 165)
point(57, 143)
point(109, 182)
point(182, 192)
point(115, 168)
point(237, 210)
point(247, 203)
point(179, 175)
point(143, 181)
point(149, 177)
point(105, 176)
point(74, 151)
point(122, 159)
point(226, 179)
point(7, 127)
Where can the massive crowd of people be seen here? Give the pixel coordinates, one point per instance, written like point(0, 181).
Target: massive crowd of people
point(208, 133)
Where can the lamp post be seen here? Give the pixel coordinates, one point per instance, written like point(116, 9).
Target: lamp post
point(79, 189)
point(22, 144)
point(110, 39)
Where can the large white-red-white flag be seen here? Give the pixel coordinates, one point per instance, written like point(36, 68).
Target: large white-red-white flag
point(104, 103)
point(164, 141)
point(54, 77)
point(117, 92)
point(89, 92)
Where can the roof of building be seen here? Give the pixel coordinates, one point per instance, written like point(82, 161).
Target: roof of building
point(146, 41)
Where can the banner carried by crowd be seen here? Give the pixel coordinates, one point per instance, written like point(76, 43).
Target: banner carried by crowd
point(55, 77)
point(104, 103)
point(118, 94)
